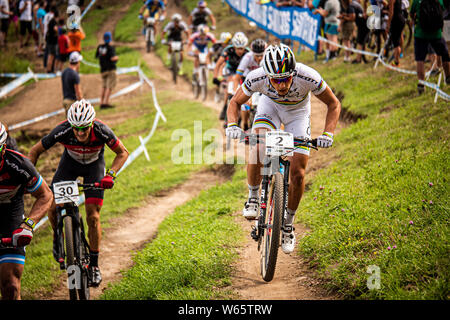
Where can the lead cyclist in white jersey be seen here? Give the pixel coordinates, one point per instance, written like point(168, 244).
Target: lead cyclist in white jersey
point(286, 87)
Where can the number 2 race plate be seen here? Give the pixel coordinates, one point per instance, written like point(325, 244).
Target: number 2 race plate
point(279, 143)
point(66, 191)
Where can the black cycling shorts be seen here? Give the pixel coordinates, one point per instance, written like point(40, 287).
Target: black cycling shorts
point(8, 223)
point(70, 170)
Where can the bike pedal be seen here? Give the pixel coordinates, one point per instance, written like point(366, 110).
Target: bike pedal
point(62, 264)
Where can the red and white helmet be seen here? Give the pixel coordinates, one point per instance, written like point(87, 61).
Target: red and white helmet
point(81, 113)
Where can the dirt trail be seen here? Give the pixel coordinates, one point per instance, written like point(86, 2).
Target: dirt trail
point(135, 228)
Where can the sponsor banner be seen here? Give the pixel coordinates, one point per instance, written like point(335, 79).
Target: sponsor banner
point(294, 23)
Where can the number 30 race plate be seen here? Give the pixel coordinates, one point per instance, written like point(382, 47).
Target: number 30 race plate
point(66, 191)
point(279, 143)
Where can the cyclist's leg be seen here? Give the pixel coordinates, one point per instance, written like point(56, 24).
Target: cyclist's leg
point(10, 277)
point(297, 121)
point(12, 260)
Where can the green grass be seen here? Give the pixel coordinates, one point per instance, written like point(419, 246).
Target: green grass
point(127, 29)
point(191, 257)
point(140, 179)
point(388, 188)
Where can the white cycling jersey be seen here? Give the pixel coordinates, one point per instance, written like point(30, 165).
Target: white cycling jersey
point(306, 80)
point(247, 64)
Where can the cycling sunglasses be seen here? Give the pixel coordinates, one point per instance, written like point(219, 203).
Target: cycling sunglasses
point(281, 80)
point(82, 128)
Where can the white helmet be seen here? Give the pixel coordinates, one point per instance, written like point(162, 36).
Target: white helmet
point(239, 40)
point(203, 29)
point(3, 134)
point(176, 17)
point(279, 61)
point(81, 113)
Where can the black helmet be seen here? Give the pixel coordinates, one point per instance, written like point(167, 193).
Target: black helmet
point(258, 46)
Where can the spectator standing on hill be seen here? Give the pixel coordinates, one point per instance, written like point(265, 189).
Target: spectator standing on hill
point(347, 25)
point(428, 20)
point(75, 34)
point(330, 12)
point(47, 18)
point(313, 5)
point(63, 47)
point(106, 53)
point(71, 81)
point(25, 19)
point(40, 14)
point(395, 25)
point(362, 30)
point(52, 42)
point(5, 14)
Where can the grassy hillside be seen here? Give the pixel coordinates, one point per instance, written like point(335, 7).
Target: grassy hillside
point(385, 202)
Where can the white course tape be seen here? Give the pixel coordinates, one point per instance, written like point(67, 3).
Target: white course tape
point(142, 148)
point(16, 83)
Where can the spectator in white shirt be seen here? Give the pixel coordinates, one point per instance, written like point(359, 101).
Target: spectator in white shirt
point(25, 19)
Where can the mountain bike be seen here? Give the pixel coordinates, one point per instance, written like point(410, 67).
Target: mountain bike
point(70, 231)
point(274, 193)
point(200, 79)
point(175, 58)
point(149, 33)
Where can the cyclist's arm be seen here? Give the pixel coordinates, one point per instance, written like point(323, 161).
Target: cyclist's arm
point(78, 91)
point(35, 152)
point(237, 81)
point(334, 109)
point(219, 63)
point(235, 105)
point(213, 20)
point(121, 157)
point(44, 199)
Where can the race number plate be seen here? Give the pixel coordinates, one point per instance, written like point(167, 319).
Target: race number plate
point(279, 143)
point(176, 46)
point(66, 191)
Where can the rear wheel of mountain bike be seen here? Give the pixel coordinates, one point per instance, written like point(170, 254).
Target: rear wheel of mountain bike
point(70, 257)
point(272, 227)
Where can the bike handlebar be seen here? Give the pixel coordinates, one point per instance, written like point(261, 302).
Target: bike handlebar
point(254, 138)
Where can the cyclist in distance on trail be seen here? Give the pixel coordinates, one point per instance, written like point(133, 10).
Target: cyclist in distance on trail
point(17, 177)
point(153, 7)
point(200, 41)
point(84, 138)
point(219, 46)
point(175, 30)
point(249, 62)
point(285, 87)
point(199, 16)
point(229, 61)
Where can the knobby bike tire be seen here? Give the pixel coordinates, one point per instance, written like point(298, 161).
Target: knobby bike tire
point(70, 252)
point(84, 291)
point(271, 234)
point(174, 64)
point(204, 87)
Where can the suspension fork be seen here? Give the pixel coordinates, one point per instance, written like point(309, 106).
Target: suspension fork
point(286, 164)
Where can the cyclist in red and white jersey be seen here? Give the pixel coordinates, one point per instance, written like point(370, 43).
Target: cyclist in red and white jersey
point(17, 177)
point(286, 87)
point(84, 138)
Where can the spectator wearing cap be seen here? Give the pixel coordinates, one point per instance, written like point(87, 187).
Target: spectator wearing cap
point(106, 53)
point(75, 34)
point(71, 81)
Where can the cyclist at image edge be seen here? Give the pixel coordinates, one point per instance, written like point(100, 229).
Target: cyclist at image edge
point(175, 30)
point(17, 177)
point(84, 137)
point(228, 62)
point(153, 7)
point(249, 62)
point(198, 16)
point(285, 87)
point(200, 41)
